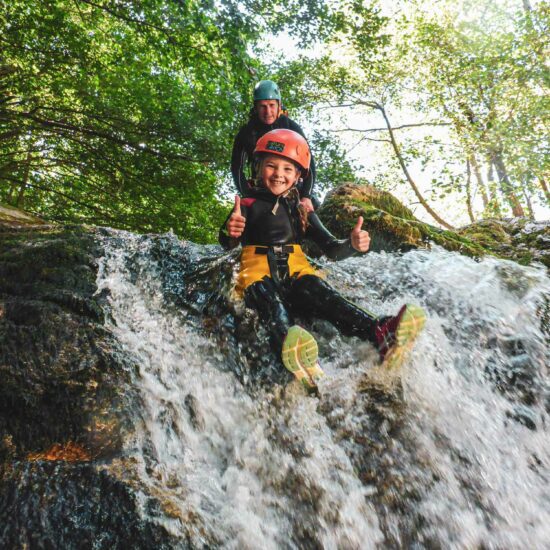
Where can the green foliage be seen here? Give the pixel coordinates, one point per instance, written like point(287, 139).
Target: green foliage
point(333, 168)
point(118, 115)
point(487, 76)
point(124, 113)
point(477, 70)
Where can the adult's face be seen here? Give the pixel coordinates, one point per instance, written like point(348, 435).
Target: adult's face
point(267, 110)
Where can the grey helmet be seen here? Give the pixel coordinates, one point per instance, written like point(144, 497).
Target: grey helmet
point(266, 89)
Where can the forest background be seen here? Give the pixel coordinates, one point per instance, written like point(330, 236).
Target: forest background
point(123, 113)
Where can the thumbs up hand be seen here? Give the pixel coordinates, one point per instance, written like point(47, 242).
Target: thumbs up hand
point(360, 240)
point(235, 224)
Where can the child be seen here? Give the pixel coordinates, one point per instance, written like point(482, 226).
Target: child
point(276, 277)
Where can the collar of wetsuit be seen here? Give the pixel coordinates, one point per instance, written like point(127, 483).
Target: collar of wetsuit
point(265, 194)
point(262, 193)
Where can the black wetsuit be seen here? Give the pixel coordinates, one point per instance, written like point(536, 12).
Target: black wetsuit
point(245, 143)
point(275, 297)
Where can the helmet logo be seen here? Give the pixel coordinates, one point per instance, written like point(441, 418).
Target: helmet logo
point(275, 146)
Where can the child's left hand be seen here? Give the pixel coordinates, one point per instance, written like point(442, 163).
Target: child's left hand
point(360, 240)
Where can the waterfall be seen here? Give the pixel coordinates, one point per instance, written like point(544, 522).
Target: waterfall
point(452, 453)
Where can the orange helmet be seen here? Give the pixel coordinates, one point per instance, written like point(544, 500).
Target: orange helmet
point(285, 143)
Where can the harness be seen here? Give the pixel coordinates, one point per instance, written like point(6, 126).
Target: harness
point(279, 262)
point(277, 259)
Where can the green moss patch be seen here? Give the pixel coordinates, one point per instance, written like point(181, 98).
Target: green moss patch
point(391, 225)
point(14, 217)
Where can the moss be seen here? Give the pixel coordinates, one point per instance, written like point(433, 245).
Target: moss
point(14, 217)
point(489, 233)
point(391, 225)
point(518, 239)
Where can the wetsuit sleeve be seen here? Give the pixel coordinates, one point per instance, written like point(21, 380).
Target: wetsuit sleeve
point(335, 249)
point(307, 187)
point(223, 238)
point(238, 161)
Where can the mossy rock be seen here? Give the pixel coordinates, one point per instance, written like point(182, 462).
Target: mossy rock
point(490, 233)
point(391, 225)
point(518, 239)
point(13, 217)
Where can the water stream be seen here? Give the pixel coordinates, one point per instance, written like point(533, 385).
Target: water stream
point(454, 453)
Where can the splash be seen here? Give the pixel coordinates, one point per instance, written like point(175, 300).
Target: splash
point(232, 468)
point(454, 454)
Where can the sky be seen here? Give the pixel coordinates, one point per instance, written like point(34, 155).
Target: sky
point(376, 157)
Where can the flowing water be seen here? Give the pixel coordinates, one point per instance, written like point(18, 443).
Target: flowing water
point(453, 454)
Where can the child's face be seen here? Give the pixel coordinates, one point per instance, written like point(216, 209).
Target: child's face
point(279, 174)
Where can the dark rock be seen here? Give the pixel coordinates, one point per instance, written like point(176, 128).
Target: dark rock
point(66, 400)
point(72, 506)
point(59, 379)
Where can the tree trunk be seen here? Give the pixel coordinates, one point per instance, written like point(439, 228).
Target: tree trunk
point(11, 193)
point(480, 183)
point(397, 151)
point(527, 198)
point(21, 197)
point(469, 192)
point(506, 185)
point(493, 208)
point(544, 187)
point(527, 6)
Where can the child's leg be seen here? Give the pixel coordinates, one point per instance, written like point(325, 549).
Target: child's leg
point(393, 336)
point(296, 347)
point(264, 297)
point(315, 297)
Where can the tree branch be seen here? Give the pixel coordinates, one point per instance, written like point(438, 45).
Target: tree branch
point(397, 151)
point(412, 125)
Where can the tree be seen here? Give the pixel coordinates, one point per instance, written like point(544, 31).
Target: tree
point(482, 79)
point(487, 79)
point(117, 114)
point(123, 113)
point(369, 77)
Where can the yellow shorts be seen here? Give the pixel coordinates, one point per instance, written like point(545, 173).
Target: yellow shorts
point(254, 267)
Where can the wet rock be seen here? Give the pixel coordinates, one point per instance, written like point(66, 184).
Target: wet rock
point(59, 380)
point(81, 454)
point(524, 415)
point(193, 408)
point(66, 399)
point(66, 505)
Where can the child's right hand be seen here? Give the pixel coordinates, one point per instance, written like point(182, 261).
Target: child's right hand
point(235, 224)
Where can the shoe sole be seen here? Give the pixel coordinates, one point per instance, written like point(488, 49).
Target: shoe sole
point(299, 355)
point(409, 327)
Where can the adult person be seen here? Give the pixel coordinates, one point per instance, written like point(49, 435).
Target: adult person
point(267, 114)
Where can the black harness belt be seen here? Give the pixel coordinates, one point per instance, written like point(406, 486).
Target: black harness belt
point(277, 259)
point(277, 249)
